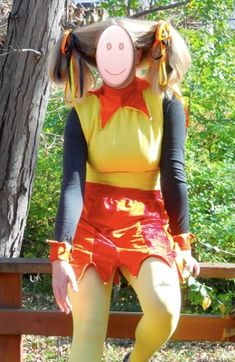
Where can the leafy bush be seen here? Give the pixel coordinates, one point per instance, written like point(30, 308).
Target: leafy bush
point(47, 182)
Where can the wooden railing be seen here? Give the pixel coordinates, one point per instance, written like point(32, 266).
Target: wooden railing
point(15, 321)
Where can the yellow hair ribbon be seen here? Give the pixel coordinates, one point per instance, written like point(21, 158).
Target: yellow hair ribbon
point(74, 84)
point(161, 37)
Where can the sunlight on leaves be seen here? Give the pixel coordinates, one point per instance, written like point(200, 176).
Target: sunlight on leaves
point(206, 302)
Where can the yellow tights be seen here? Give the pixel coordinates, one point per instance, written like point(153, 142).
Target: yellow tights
point(157, 288)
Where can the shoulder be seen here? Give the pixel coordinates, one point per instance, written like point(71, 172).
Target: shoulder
point(90, 101)
point(154, 103)
point(87, 112)
point(151, 96)
point(171, 104)
point(174, 118)
point(88, 108)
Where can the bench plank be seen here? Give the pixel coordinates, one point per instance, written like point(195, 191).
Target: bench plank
point(121, 325)
point(43, 266)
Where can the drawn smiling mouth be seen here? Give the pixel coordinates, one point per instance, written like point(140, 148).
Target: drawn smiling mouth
point(115, 73)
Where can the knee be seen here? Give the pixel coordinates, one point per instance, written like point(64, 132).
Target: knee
point(163, 316)
point(169, 318)
point(90, 326)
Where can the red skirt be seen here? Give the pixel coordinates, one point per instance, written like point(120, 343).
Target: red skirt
point(121, 226)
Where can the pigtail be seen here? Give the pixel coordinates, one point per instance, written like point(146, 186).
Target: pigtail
point(74, 87)
point(68, 66)
point(58, 66)
point(169, 59)
point(159, 55)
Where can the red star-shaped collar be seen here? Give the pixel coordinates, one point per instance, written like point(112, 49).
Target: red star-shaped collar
point(111, 99)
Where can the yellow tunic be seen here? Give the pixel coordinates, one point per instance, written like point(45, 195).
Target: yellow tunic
point(118, 226)
point(126, 152)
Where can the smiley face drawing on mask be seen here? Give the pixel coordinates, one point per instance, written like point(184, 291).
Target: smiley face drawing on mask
point(115, 56)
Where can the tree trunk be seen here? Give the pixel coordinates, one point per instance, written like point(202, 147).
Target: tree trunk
point(33, 28)
point(128, 8)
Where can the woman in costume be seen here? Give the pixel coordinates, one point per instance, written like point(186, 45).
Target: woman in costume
point(123, 205)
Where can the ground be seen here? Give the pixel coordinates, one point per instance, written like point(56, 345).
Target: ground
point(56, 349)
point(45, 349)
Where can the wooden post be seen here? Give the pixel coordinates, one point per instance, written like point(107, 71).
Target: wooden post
point(10, 297)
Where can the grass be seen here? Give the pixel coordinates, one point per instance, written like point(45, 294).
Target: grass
point(45, 349)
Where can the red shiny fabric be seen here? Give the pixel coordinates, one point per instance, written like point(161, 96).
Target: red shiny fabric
point(120, 226)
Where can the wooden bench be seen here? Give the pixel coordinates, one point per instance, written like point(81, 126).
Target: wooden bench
point(15, 321)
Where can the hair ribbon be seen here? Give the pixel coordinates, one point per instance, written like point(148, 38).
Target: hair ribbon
point(162, 36)
point(69, 45)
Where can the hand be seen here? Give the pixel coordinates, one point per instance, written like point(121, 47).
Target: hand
point(62, 274)
point(191, 263)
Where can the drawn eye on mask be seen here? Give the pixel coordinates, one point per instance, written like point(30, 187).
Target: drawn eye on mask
point(115, 55)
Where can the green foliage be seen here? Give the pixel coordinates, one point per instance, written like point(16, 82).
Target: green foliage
point(46, 189)
point(219, 292)
point(118, 8)
point(37, 291)
point(209, 92)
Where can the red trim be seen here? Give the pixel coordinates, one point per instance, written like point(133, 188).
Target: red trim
point(184, 240)
point(111, 99)
point(59, 250)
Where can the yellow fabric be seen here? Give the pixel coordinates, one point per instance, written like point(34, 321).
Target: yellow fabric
point(162, 36)
point(126, 152)
point(90, 310)
point(157, 287)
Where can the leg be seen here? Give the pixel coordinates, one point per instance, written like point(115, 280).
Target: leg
point(157, 287)
point(90, 310)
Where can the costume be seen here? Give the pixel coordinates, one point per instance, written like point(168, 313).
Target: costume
point(117, 157)
point(123, 178)
point(123, 204)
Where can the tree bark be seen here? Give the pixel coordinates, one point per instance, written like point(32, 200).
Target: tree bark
point(33, 27)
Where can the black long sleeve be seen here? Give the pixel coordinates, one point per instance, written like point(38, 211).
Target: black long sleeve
point(74, 175)
point(173, 179)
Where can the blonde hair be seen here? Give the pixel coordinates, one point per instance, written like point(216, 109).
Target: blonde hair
point(143, 35)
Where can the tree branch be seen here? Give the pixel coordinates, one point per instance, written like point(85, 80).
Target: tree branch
point(159, 8)
point(13, 50)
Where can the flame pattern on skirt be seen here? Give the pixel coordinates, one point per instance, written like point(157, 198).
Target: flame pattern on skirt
point(122, 226)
